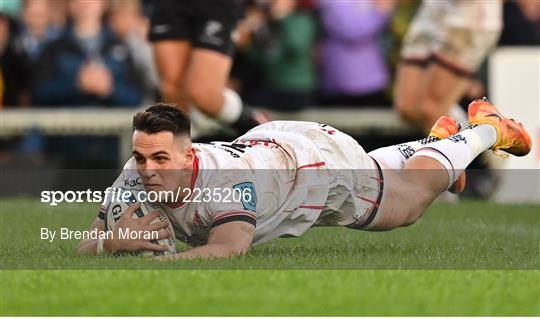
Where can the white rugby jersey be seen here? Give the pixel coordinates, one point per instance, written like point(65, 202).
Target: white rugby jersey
point(279, 164)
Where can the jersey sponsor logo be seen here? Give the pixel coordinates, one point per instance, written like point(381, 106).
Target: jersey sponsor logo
point(132, 200)
point(133, 182)
point(249, 202)
point(116, 211)
point(234, 149)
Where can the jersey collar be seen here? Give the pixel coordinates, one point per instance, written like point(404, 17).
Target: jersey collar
point(194, 177)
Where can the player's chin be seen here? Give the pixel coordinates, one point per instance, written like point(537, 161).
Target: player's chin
point(157, 188)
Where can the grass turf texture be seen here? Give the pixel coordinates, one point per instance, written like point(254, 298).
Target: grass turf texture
point(270, 292)
point(502, 241)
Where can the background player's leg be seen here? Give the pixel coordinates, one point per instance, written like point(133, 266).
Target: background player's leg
point(171, 59)
point(205, 82)
point(408, 89)
point(444, 88)
point(205, 88)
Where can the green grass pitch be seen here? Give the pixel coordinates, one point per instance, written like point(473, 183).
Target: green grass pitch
point(471, 258)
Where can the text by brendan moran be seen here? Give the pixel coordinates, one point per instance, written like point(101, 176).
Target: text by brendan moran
point(123, 233)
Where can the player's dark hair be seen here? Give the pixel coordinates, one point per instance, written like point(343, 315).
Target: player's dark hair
point(162, 117)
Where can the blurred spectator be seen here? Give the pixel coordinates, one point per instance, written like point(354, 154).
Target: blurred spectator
point(4, 36)
point(10, 7)
point(59, 12)
point(88, 65)
point(14, 65)
point(37, 29)
point(354, 70)
point(127, 21)
point(283, 45)
point(246, 76)
point(400, 20)
point(521, 23)
point(26, 40)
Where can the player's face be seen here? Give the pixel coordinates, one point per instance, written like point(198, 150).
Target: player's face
point(83, 10)
point(164, 161)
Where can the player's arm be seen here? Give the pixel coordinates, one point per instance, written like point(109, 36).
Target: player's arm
point(225, 240)
point(89, 246)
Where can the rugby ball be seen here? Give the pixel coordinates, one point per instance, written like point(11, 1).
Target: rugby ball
point(116, 208)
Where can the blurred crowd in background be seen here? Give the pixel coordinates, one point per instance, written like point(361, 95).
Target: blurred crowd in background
point(290, 54)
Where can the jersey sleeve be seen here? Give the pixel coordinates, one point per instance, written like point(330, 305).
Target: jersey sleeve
point(238, 200)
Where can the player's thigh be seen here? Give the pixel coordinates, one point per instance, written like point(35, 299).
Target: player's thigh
point(206, 78)
point(170, 33)
point(171, 58)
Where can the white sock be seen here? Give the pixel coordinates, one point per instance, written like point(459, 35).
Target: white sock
point(232, 107)
point(456, 152)
point(395, 156)
point(459, 114)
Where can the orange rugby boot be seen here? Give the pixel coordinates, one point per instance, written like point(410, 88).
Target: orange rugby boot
point(445, 127)
point(512, 137)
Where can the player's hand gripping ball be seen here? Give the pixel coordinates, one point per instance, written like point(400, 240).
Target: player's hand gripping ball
point(114, 213)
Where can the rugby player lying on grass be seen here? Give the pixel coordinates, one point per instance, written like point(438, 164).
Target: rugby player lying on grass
point(310, 185)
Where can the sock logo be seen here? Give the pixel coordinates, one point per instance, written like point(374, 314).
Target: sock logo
point(406, 150)
point(457, 138)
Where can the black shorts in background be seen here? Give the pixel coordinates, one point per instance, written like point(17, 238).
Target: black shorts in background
point(205, 24)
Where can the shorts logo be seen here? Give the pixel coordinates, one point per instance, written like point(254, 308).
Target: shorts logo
point(211, 31)
point(160, 28)
point(248, 195)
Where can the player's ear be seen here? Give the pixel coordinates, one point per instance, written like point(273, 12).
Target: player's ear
point(190, 154)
